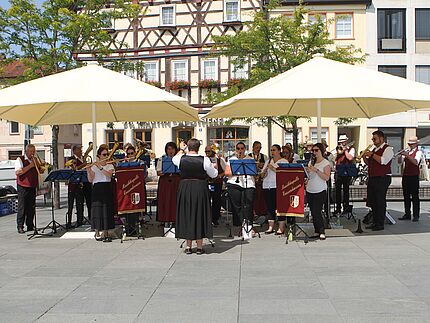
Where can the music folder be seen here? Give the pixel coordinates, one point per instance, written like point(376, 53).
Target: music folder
point(293, 165)
point(168, 167)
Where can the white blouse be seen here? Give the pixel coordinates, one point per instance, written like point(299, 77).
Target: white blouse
point(270, 180)
point(99, 176)
point(315, 183)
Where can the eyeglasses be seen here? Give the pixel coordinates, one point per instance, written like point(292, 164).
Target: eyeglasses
point(208, 151)
point(315, 150)
point(132, 153)
point(240, 148)
point(273, 149)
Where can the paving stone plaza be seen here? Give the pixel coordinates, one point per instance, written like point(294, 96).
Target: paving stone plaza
point(371, 277)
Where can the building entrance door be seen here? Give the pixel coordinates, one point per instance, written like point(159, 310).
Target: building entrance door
point(183, 134)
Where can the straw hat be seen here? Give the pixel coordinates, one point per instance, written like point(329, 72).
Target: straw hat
point(309, 143)
point(413, 140)
point(342, 138)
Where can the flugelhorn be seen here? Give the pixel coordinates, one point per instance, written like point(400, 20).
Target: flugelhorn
point(360, 156)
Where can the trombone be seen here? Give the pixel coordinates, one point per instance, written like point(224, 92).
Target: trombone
point(108, 158)
point(86, 159)
point(39, 164)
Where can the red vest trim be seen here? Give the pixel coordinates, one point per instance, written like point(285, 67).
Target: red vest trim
point(410, 168)
point(29, 179)
point(377, 169)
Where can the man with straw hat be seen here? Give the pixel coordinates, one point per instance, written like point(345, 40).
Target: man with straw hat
point(411, 157)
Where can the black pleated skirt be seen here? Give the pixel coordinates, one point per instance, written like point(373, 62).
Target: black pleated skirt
point(193, 210)
point(102, 207)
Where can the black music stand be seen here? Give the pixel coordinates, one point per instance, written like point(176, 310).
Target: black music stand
point(56, 175)
point(294, 227)
point(169, 168)
point(244, 167)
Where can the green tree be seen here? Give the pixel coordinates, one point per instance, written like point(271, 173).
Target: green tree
point(47, 38)
point(274, 45)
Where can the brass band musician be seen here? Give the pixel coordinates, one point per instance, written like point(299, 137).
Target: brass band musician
point(27, 181)
point(78, 192)
point(344, 159)
point(410, 178)
point(378, 161)
point(219, 163)
point(260, 207)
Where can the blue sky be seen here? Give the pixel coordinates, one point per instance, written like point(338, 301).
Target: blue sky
point(5, 3)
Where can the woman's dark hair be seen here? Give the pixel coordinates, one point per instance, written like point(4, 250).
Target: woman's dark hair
point(171, 144)
point(290, 153)
point(193, 144)
point(256, 143)
point(277, 146)
point(130, 147)
point(101, 148)
point(240, 143)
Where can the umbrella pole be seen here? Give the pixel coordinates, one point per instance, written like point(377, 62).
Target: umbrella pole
point(94, 130)
point(319, 120)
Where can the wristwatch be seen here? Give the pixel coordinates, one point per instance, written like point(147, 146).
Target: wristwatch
point(101, 168)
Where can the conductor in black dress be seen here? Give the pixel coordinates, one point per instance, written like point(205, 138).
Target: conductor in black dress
point(193, 206)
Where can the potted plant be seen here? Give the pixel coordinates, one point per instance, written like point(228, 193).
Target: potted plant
point(208, 84)
point(154, 83)
point(178, 85)
point(239, 82)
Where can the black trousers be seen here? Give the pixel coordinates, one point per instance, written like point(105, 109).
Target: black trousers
point(26, 207)
point(216, 202)
point(241, 200)
point(342, 184)
point(270, 198)
point(87, 190)
point(316, 201)
point(410, 186)
point(377, 196)
point(78, 196)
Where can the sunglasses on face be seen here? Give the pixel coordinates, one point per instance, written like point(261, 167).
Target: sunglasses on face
point(208, 151)
point(132, 153)
point(315, 150)
point(240, 148)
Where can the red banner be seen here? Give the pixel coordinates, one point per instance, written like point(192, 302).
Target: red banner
point(290, 191)
point(130, 189)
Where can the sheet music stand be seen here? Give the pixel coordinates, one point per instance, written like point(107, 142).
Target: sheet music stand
point(245, 167)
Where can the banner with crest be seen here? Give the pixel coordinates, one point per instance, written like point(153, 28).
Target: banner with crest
point(130, 189)
point(290, 191)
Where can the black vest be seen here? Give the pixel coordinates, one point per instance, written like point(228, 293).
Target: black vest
point(191, 167)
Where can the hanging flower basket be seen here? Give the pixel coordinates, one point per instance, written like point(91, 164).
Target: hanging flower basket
point(178, 85)
point(209, 84)
point(236, 82)
point(154, 83)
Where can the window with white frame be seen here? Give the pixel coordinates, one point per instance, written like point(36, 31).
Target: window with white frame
point(231, 10)
point(14, 128)
point(167, 16)
point(239, 72)
point(314, 134)
point(180, 70)
point(422, 74)
point(422, 24)
point(344, 26)
point(312, 17)
point(288, 136)
point(150, 71)
point(210, 69)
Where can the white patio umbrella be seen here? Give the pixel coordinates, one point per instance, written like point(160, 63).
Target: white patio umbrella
point(325, 88)
point(90, 94)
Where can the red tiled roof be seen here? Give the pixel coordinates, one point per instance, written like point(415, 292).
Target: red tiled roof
point(12, 70)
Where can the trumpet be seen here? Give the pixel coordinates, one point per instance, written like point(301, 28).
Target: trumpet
point(405, 150)
point(39, 164)
point(360, 156)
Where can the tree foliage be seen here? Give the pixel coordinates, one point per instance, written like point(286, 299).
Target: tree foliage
point(46, 38)
point(274, 44)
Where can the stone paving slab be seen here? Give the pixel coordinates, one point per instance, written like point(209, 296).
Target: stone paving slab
point(369, 277)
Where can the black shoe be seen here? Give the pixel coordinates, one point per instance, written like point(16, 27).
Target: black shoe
point(107, 239)
point(69, 226)
point(188, 251)
point(405, 217)
point(199, 251)
point(370, 227)
point(215, 223)
point(30, 229)
point(377, 228)
point(415, 219)
point(21, 230)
